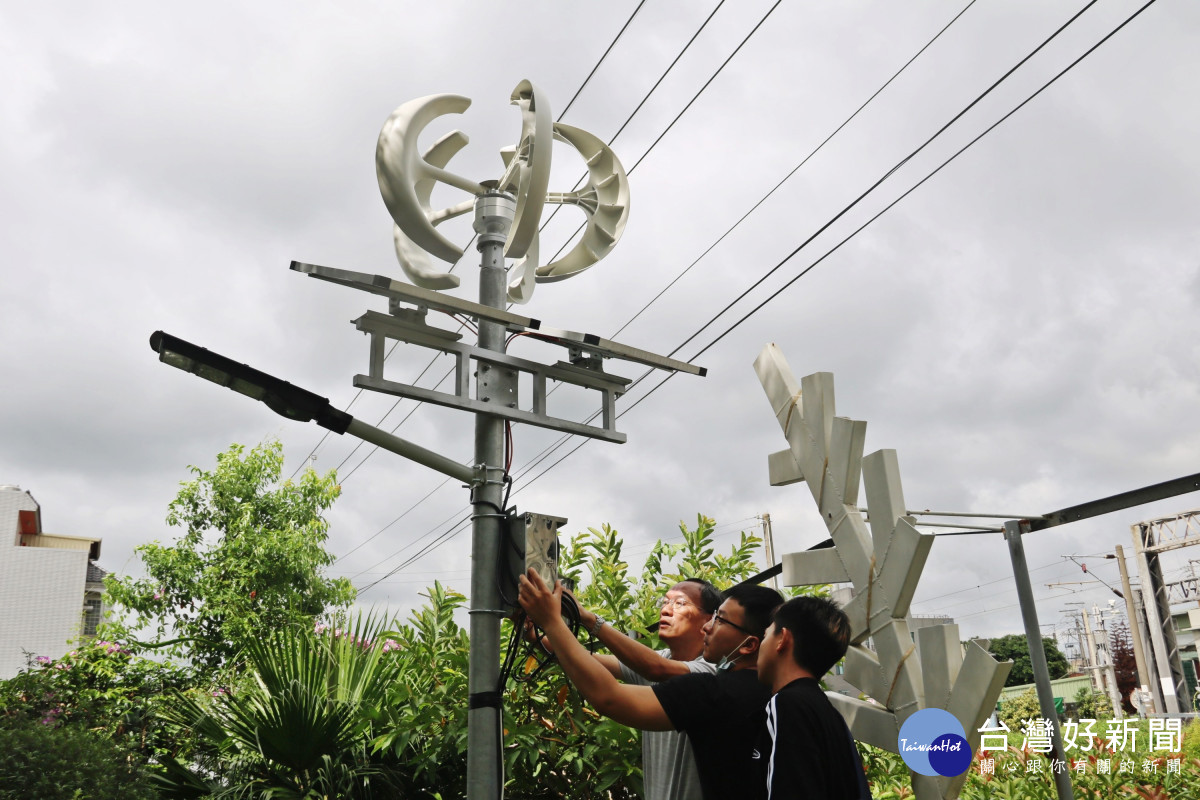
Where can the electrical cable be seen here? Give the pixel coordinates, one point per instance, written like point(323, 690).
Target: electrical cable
point(646, 97)
point(794, 170)
point(900, 164)
point(601, 61)
point(554, 446)
point(681, 113)
point(806, 270)
point(393, 522)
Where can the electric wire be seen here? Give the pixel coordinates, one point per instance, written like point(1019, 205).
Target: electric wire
point(898, 166)
point(794, 169)
point(696, 96)
point(805, 271)
point(646, 97)
point(557, 444)
point(607, 50)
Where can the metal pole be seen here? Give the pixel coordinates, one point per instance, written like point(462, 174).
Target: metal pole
point(1135, 632)
point(1093, 660)
point(1037, 654)
point(1154, 621)
point(769, 541)
point(494, 213)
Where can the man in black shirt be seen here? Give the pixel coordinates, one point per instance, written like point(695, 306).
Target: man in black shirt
point(811, 751)
point(723, 714)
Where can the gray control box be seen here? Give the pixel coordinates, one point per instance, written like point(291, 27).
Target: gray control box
point(534, 540)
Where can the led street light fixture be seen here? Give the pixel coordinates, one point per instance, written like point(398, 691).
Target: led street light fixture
point(280, 396)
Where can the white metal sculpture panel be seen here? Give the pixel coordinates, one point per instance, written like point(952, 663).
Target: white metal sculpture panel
point(407, 179)
point(883, 559)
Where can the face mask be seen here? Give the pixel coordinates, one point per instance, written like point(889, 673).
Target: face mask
point(726, 663)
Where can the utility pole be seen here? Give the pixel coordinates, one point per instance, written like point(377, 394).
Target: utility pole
point(494, 213)
point(1135, 629)
point(769, 543)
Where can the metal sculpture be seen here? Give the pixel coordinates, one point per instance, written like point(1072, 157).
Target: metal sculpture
point(884, 563)
point(407, 179)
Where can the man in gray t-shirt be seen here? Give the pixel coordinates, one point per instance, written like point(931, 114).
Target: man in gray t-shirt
point(668, 767)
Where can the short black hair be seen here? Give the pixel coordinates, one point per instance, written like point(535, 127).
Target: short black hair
point(757, 602)
point(820, 632)
point(710, 596)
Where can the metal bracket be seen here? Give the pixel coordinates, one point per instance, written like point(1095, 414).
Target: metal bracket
point(470, 358)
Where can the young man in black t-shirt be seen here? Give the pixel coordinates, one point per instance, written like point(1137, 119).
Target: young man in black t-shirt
point(809, 749)
point(723, 714)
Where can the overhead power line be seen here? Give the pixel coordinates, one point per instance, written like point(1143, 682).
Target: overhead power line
point(607, 50)
point(793, 171)
point(846, 239)
point(695, 97)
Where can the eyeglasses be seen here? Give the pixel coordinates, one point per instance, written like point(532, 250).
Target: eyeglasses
point(679, 603)
point(720, 620)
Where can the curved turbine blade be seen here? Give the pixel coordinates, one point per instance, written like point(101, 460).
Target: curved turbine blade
point(400, 168)
point(604, 199)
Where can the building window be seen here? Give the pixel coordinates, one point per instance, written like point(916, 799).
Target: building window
point(92, 606)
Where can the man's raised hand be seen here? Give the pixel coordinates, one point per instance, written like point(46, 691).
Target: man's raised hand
point(543, 605)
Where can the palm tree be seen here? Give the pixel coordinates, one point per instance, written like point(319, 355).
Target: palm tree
point(298, 725)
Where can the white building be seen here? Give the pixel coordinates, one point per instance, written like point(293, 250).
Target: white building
point(50, 591)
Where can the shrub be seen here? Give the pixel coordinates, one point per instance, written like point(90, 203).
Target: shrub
point(1022, 707)
point(41, 761)
point(1191, 739)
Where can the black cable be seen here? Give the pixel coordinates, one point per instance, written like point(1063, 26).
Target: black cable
point(889, 173)
point(845, 210)
point(661, 78)
point(843, 241)
point(393, 522)
point(601, 61)
point(963, 149)
point(684, 111)
point(794, 170)
point(557, 444)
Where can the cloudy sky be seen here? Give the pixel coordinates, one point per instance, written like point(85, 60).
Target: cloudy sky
point(1022, 328)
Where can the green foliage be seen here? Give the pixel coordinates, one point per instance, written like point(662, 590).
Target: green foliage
point(1023, 706)
point(99, 686)
point(1092, 705)
point(249, 560)
point(423, 721)
point(1191, 739)
point(1018, 775)
point(1015, 647)
point(298, 723)
point(50, 762)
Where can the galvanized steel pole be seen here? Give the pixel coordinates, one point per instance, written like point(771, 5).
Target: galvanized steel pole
point(1037, 654)
point(494, 213)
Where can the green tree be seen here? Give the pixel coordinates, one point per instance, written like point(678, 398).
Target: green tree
point(249, 560)
point(1015, 647)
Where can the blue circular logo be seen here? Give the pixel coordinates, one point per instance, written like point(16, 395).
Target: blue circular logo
point(932, 742)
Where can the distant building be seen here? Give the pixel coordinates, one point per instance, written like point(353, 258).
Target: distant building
point(51, 590)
